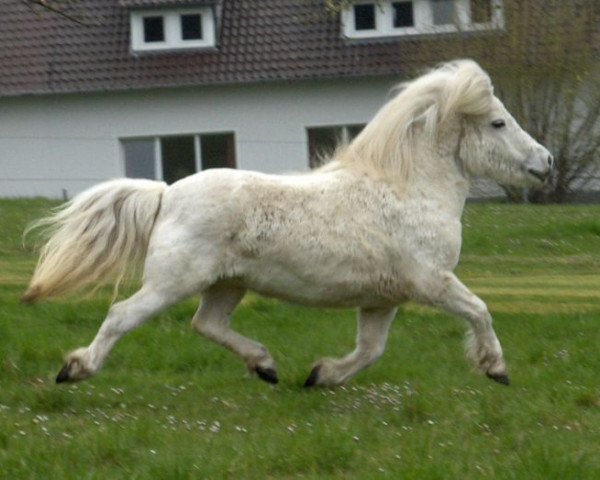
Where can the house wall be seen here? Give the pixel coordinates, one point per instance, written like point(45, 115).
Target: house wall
point(61, 144)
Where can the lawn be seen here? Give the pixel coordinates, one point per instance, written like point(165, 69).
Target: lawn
point(171, 405)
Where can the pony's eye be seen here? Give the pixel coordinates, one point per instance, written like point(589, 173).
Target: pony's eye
point(498, 123)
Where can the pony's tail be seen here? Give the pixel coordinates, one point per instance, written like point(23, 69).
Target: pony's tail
point(95, 237)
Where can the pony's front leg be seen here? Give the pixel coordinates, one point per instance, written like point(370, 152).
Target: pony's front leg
point(122, 317)
point(373, 327)
point(212, 320)
point(483, 347)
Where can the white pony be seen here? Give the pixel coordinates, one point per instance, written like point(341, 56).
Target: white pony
point(375, 227)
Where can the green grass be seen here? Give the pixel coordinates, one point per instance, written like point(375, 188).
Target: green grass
point(171, 405)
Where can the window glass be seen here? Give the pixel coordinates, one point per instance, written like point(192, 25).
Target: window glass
point(354, 130)
point(322, 142)
point(364, 17)
point(154, 29)
point(403, 14)
point(139, 158)
point(481, 11)
point(218, 151)
point(178, 157)
point(191, 26)
point(443, 12)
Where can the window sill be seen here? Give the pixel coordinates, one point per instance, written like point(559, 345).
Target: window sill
point(423, 35)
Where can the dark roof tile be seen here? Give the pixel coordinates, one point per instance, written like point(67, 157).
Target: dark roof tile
point(41, 52)
point(165, 3)
point(258, 40)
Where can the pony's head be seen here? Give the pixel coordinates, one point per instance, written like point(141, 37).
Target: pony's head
point(491, 142)
point(450, 113)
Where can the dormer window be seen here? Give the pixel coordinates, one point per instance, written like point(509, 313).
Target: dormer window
point(388, 18)
point(175, 29)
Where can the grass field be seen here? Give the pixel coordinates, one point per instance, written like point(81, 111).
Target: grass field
point(171, 405)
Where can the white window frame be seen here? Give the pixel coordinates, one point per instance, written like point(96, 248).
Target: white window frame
point(172, 29)
point(423, 19)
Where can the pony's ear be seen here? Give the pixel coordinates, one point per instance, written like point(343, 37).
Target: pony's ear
point(468, 91)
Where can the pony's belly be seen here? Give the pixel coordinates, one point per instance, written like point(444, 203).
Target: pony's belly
point(331, 293)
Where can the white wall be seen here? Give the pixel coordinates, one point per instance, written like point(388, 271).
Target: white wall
point(69, 142)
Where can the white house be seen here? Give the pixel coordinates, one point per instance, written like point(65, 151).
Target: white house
point(164, 88)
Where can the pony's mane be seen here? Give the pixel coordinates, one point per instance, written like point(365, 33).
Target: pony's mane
point(389, 143)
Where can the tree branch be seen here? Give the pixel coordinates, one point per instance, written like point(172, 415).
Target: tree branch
point(45, 4)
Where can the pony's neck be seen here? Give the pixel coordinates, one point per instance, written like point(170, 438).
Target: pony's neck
point(434, 171)
point(439, 177)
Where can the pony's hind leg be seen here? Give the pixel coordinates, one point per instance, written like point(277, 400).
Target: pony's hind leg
point(373, 327)
point(122, 317)
point(212, 320)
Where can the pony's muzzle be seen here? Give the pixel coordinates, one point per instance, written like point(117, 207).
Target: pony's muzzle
point(540, 165)
point(541, 176)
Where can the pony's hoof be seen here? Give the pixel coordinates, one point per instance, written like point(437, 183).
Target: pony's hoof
point(311, 381)
point(63, 375)
point(502, 378)
point(269, 375)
